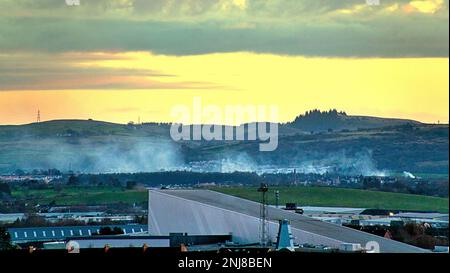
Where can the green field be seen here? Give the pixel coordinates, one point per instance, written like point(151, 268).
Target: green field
point(303, 196)
point(82, 196)
point(335, 197)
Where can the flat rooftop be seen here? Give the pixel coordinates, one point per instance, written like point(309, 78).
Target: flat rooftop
point(34, 234)
point(337, 232)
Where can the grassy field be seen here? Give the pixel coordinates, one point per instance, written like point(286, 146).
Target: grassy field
point(82, 196)
point(335, 197)
point(304, 196)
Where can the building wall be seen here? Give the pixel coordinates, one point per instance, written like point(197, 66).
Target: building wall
point(122, 243)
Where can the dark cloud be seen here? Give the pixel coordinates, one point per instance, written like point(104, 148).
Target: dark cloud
point(186, 8)
point(378, 38)
point(293, 27)
point(63, 71)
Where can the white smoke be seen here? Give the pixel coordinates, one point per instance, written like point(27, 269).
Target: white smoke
point(240, 163)
point(360, 163)
point(112, 156)
point(408, 175)
point(341, 162)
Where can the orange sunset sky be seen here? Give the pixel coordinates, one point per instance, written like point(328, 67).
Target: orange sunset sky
point(123, 59)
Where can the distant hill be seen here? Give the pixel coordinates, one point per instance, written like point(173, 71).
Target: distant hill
point(314, 142)
point(311, 121)
point(80, 128)
point(318, 121)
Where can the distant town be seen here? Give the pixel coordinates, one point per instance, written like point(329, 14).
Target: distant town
point(45, 201)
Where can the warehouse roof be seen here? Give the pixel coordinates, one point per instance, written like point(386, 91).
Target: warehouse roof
point(297, 221)
point(61, 233)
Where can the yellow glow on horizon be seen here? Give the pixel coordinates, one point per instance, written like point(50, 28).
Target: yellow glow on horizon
point(427, 6)
point(414, 88)
point(393, 7)
point(354, 9)
point(242, 4)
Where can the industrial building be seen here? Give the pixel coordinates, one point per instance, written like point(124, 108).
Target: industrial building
point(174, 240)
point(204, 220)
point(42, 234)
point(55, 217)
point(210, 213)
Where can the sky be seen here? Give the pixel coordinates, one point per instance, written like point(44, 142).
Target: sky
point(124, 60)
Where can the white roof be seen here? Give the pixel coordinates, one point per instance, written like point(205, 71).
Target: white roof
point(342, 210)
point(421, 215)
point(11, 216)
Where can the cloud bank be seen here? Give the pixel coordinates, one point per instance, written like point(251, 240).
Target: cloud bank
point(327, 28)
